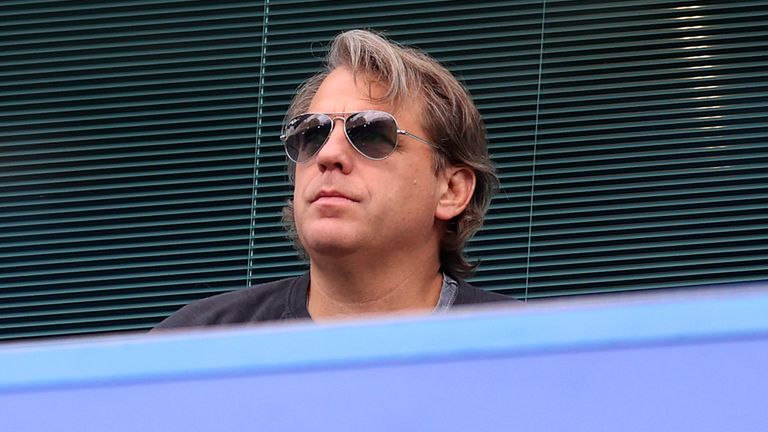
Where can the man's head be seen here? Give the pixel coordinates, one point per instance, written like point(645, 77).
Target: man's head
point(444, 186)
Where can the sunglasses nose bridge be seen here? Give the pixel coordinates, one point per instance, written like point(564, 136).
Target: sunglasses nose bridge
point(334, 119)
point(329, 148)
point(343, 120)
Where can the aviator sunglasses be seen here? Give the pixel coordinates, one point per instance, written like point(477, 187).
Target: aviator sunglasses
point(372, 133)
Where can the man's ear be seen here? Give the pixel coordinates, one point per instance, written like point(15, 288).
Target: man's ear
point(457, 189)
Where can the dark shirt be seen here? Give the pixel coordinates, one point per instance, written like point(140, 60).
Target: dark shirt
point(281, 300)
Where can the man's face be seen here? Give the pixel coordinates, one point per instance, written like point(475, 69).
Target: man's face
point(347, 204)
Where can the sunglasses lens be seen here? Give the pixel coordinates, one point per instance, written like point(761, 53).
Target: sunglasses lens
point(373, 133)
point(305, 134)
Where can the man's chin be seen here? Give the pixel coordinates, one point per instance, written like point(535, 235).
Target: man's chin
point(331, 250)
point(330, 243)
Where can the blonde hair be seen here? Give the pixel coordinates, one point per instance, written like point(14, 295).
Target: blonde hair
point(450, 119)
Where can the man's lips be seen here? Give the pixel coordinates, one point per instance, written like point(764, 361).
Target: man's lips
point(332, 195)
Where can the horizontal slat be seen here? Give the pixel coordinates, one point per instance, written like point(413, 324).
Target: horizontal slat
point(112, 43)
point(192, 142)
point(95, 91)
point(124, 119)
point(89, 330)
point(131, 124)
point(158, 258)
point(190, 245)
point(681, 239)
point(143, 269)
point(518, 290)
point(80, 205)
point(45, 315)
point(136, 17)
point(658, 273)
point(121, 104)
point(125, 286)
point(116, 280)
point(148, 185)
point(88, 235)
point(84, 320)
point(83, 40)
point(107, 299)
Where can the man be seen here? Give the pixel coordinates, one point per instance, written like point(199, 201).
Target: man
point(391, 179)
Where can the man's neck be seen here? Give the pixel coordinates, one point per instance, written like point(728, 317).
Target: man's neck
point(354, 287)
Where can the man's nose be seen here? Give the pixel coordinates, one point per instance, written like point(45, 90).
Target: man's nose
point(337, 153)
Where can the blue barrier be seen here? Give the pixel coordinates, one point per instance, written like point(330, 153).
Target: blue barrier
point(654, 362)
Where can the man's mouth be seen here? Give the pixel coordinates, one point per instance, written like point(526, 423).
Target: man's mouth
point(331, 195)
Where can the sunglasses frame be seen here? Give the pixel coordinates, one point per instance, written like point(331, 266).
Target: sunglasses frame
point(344, 116)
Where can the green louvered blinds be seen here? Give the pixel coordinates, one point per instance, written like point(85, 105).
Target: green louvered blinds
point(651, 151)
point(127, 139)
point(142, 169)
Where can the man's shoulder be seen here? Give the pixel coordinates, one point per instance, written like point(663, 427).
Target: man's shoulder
point(264, 302)
point(470, 294)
